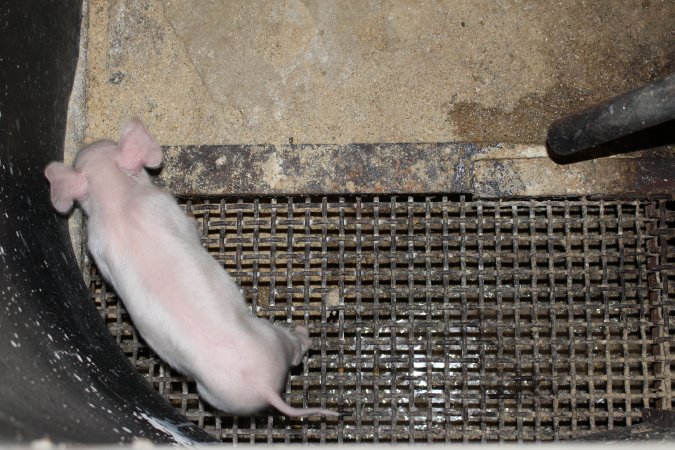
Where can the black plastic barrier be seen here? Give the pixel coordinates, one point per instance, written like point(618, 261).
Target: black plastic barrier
point(62, 376)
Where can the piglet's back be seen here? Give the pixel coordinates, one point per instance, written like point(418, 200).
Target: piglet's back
point(164, 273)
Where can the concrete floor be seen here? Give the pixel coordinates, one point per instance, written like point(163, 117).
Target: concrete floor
point(328, 71)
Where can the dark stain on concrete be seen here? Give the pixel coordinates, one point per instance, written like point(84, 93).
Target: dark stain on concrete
point(597, 57)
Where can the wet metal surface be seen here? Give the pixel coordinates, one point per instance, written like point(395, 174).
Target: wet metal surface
point(487, 171)
point(441, 318)
point(657, 425)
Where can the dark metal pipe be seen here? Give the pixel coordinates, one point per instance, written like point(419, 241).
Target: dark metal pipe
point(642, 108)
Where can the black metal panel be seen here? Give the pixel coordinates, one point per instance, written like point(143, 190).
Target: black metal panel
point(61, 374)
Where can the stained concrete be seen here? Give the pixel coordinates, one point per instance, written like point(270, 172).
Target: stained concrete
point(324, 71)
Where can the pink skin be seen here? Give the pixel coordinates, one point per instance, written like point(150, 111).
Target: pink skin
point(186, 307)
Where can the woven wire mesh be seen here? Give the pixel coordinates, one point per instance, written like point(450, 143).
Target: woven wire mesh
point(443, 319)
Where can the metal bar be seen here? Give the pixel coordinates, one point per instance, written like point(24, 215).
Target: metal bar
point(491, 171)
point(642, 108)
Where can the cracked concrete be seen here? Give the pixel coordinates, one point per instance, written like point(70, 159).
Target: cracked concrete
point(243, 72)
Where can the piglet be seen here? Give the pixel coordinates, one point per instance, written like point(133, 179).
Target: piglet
point(186, 307)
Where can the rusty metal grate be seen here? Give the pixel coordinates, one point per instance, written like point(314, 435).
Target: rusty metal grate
point(438, 318)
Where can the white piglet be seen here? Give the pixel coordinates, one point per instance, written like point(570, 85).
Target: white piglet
point(186, 307)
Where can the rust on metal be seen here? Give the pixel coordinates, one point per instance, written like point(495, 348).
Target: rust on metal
point(487, 171)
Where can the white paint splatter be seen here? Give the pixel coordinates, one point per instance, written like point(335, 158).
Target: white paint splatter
point(167, 428)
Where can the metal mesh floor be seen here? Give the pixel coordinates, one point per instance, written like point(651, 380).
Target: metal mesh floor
point(444, 319)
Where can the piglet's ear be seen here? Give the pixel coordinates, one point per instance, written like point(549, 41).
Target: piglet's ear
point(67, 185)
point(138, 149)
